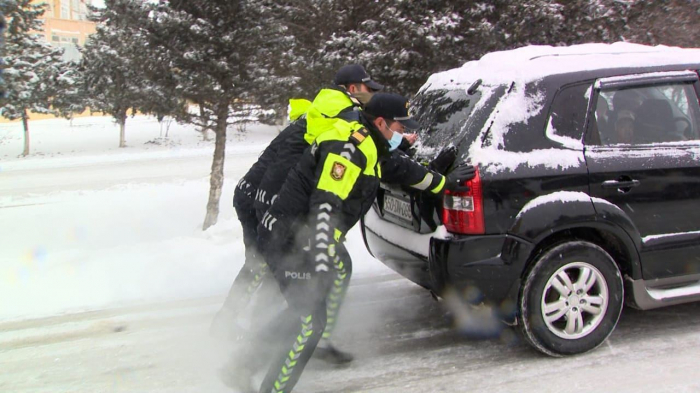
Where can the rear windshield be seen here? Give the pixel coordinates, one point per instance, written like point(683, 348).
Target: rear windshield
point(442, 115)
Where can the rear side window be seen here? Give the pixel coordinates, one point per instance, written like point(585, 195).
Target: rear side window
point(567, 117)
point(648, 114)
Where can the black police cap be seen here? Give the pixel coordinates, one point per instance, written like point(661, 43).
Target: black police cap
point(393, 107)
point(355, 73)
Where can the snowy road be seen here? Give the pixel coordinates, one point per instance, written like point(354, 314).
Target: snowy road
point(108, 284)
point(89, 174)
point(402, 340)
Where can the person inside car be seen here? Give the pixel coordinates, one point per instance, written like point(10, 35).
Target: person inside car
point(655, 122)
point(602, 115)
point(624, 127)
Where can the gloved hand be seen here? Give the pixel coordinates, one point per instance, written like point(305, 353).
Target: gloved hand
point(455, 180)
point(411, 138)
point(443, 160)
point(405, 145)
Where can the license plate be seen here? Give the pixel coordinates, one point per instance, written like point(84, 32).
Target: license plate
point(398, 208)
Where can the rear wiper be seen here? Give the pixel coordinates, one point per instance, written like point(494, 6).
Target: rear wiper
point(472, 89)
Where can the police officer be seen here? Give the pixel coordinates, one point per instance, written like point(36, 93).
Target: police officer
point(331, 187)
point(251, 274)
point(352, 88)
point(259, 186)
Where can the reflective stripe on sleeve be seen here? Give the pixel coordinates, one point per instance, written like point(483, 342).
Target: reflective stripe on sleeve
point(425, 183)
point(439, 187)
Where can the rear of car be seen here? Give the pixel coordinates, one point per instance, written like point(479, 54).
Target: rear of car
point(464, 237)
point(566, 216)
point(401, 224)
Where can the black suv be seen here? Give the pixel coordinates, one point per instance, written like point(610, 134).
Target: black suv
point(587, 192)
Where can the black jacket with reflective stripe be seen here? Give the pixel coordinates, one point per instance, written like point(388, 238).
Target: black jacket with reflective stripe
point(251, 181)
point(287, 156)
point(403, 170)
point(317, 195)
point(332, 186)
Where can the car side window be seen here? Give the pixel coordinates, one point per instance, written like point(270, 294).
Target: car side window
point(647, 114)
point(568, 113)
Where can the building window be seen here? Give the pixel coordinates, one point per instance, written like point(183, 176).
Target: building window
point(65, 9)
point(69, 45)
point(49, 11)
point(75, 7)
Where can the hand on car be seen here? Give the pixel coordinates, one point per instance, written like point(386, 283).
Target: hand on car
point(461, 174)
point(443, 160)
point(411, 138)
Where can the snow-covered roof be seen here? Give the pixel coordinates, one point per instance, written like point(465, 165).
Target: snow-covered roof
point(532, 63)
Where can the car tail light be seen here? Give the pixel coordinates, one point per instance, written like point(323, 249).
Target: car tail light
point(463, 212)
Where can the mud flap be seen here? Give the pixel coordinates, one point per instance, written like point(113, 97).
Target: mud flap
point(436, 266)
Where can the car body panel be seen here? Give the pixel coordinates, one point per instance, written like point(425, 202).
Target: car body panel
point(543, 181)
point(485, 266)
point(663, 207)
point(657, 185)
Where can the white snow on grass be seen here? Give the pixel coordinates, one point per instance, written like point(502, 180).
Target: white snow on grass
point(86, 225)
point(86, 139)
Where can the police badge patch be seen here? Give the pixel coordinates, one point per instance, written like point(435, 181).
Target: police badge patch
point(338, 171)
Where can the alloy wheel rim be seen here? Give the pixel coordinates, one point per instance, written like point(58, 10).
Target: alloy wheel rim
point(574, 300)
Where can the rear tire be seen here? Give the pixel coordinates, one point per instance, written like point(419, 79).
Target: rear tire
point(571, 299)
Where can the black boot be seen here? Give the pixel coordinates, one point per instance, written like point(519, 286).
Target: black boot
point(330, 354)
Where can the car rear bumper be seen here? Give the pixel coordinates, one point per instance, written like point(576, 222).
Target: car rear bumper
point(407, 263)
point(481, 268)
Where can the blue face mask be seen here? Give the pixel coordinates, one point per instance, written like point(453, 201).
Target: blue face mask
point(395, 141)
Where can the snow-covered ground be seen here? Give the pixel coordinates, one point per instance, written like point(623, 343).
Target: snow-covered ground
point(108, 284)
point(87, 225)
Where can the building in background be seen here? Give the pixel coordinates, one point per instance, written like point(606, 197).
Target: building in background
point(66, 25)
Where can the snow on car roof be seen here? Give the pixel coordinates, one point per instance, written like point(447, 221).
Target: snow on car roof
point(531, 63)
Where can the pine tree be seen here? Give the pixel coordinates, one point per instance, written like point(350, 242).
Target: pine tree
point(2, 44)
point(221, 57)
point(159, 95)
point(308, 62)
point(665, 22)
point(110, 77)
point(69, 99)
point(402, 42)
point(33, 72)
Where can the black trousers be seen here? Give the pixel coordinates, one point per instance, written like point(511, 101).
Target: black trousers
point(254, 270)
point(313, 301)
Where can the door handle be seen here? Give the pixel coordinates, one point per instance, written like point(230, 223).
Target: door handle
point(621, 183)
